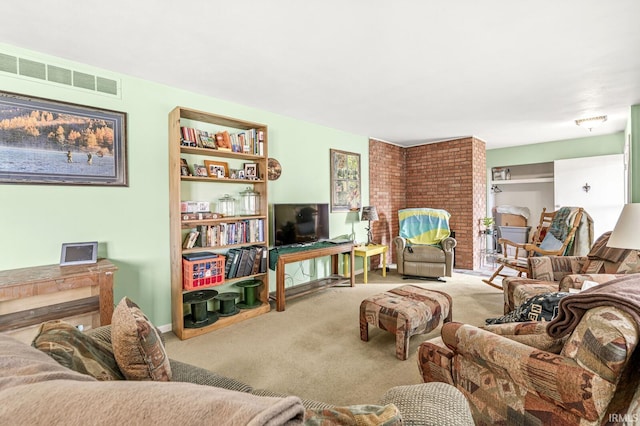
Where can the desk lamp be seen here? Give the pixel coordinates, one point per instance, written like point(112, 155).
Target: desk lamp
point(369, 213)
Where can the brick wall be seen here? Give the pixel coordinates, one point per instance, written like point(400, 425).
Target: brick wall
point(387, 185)
point(447, 175)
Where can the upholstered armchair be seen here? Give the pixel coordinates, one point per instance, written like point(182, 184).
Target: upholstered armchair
point(517, 373)
point(562, 273)
point(424, 247)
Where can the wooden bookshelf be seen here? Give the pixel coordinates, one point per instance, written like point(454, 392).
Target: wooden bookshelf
point(178, 186)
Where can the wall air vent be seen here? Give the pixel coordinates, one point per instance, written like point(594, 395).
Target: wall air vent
point(23, 67)
point(59, 75)
point(32, 69)
point(8, 63)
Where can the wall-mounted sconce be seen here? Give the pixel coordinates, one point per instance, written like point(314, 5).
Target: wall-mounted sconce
point(495, 189)
point(586, 187)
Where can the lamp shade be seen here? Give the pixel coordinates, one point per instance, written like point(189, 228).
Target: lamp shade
point(626, 234)
point(369, 213)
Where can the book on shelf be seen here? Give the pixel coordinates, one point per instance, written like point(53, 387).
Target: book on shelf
point(230, 258)
point(250, 141)
point(190, 239)
point(251, 258)
point(223, 141)
point(258, 259)
point(234, 266)
point(264, 261)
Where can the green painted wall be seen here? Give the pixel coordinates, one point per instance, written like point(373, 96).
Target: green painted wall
point(556, 150)
point(633, 128)
point(132, 224)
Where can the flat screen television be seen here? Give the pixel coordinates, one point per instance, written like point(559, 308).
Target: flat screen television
point(299, 223)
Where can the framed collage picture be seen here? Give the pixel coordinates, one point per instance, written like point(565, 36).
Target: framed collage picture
point(345, 181)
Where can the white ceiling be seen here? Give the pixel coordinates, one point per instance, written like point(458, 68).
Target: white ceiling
point(408, 72)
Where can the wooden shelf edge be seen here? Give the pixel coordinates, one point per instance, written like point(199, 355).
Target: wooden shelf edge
point(312, 286)
point(517, 181)
point(221, 180)
point(191, 223)
point(222, 322)
point(199, 249)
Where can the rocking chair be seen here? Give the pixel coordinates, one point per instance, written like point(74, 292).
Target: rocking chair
point(553, 237)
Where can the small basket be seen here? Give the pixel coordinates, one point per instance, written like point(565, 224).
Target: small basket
point(202, 273)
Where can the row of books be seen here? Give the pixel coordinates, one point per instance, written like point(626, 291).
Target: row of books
point(222, 234)
point(241, 262)
point(246, 141)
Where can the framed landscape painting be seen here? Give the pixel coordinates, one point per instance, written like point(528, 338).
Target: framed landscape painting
point(51, 142)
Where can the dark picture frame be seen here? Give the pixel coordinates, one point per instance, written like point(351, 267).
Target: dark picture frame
point(345, 181)
point(44, 141)
point(251, 171)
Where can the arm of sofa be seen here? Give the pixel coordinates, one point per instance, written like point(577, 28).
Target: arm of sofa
point(577, 280)
point(553, 377)
point(554, 268)
point(531, 333)
point(183, 372)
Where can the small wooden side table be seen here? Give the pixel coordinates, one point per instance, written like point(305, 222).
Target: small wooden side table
point(371, 250)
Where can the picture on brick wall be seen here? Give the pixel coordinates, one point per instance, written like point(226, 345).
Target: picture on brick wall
point(51, 142)
point(345, 181)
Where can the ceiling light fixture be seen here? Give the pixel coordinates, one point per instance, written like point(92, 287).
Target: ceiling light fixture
point(590, 123)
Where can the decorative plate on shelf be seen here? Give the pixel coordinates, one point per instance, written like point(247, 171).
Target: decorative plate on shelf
point(274, 169)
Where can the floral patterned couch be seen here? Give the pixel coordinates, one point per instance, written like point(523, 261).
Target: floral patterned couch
point(529, 373)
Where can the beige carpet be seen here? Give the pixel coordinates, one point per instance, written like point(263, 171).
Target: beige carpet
point(313, 348)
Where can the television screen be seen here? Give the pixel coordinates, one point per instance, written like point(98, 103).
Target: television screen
point(299, 223)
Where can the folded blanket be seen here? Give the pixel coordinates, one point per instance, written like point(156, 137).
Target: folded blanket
point(37, 390)
point(424, 225)
point(583, 239)
point(622, 293)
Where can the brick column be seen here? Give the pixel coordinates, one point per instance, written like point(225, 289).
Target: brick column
point(448, 175)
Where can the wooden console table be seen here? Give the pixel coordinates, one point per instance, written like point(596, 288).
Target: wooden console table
point(30, 296)
point(297, 254)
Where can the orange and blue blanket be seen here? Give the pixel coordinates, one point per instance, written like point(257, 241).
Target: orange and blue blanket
point(424, 225)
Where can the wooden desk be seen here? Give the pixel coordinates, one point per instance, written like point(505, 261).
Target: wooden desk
point(372, 250)
point(306, 253)
point(30, 296)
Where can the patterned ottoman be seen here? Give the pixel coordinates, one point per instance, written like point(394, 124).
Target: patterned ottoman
point(405, 311)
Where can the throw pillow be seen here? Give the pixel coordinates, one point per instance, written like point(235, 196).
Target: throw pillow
point(137, 344)
point(355, 415)
point(77, 351)
point(549, 243)
point(543, 307)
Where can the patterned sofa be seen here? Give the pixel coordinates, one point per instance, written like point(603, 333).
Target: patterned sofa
point(529, 373)
point(561, 273)
point(71, 377)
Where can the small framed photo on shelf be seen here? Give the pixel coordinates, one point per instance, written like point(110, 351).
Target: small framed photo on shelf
point(251, 171)
point(217, 169)
point(208, 142)
point(200, 170)
point(184, 168)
